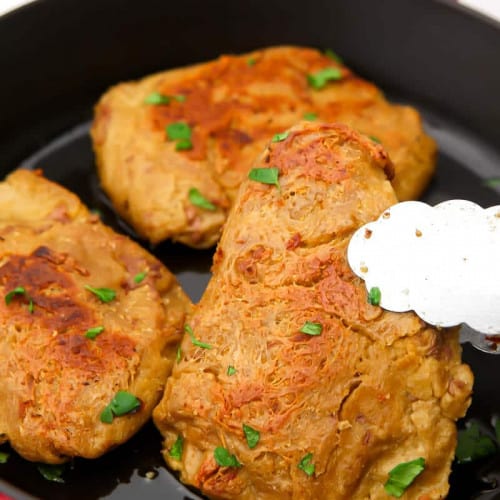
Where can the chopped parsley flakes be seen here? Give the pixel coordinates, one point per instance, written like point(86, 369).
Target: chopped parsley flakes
point(194, 340)
point(333, 56)
point(92, 333)
point(139, 277)
point(374, 296)
point(197, 199)
point(319, 79)
point(157, 98)
point(103, 294)
point(280, 137)
point(21, 291)
point(176, 450)
point(251, 435)
point(4, 457)
point(121, 404)
point(473, 444)
point(492, 182)
point(311, 328)
point(306, 464)
point(52, 472)
point(402, 476)
point(265, 175)
point(181, 133)
point(310, 116)
point(224, 458)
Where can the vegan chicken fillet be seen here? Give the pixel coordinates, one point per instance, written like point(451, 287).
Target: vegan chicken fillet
point(89, 325)
point(290, 384)
point(173, 148)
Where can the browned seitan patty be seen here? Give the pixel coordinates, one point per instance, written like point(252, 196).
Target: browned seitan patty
point(56, 382)
point(233, 106)
point(372, 389)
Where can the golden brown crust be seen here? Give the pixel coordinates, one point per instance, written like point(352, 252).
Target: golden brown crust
point(55, 381)
point(372, 390)
point(234, 108)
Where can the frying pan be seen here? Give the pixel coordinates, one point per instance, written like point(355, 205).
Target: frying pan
point(58, 56)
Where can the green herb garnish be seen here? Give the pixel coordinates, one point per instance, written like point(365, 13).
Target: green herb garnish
point(121, 404)
point(183, 145)
point(321, 78)
point(103, 294)
point(265, 175)
point(231, 370)
point(473, 445)
point(311, 328)
point(310, 116)
point(402, 476)
point(176, 450)
point(251, 435)
point(306, 465)
point(280, 137)
point(52, 472)
point(194, 340)
point(107, 415)
point(375, 139)
point(224, 458)
point(493, 182)
point(251, 61)
point(332, 55)
point(4, 456)
point(180, 132)
point(374, 296)
point(157, 98)
point(92, 333)
point(196, 198)
point(139, 277)
point(19, 290)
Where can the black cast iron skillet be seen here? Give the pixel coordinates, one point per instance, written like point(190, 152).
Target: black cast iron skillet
point(58, 56)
